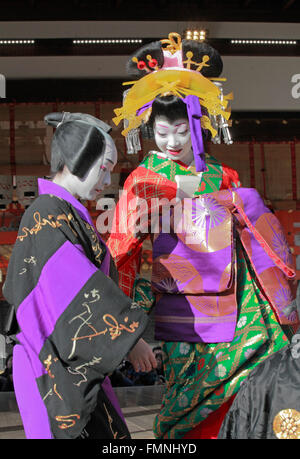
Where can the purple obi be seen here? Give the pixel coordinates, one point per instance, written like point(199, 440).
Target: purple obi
point(194, 265)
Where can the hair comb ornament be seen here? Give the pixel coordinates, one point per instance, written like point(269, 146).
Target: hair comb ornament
point(186, 70)
point(132, 139)
point(151, 65)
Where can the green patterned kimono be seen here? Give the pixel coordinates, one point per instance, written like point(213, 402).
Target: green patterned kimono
point(200, 377)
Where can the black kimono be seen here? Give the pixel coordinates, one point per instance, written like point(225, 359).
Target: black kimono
point(75, 324)
point(267, 405)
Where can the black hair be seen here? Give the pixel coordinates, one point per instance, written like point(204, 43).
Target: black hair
point(77, 142)
point(76, 145)
point(215, 63)
point(155, 50)
point(171, 106)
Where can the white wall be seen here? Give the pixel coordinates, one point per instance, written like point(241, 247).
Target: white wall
point(262, 83)
point(136, 29)
point(258, 83)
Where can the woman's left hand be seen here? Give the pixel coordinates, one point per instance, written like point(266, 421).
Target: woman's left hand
point(142, 357)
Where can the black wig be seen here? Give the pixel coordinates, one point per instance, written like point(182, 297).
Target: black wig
point(77, 142)
point(171, 106)
point(155, 50)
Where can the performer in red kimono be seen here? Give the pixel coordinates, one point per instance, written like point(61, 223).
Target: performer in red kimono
point(75, 324)
point(221, 263)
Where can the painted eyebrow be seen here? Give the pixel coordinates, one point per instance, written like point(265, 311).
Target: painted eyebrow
point(176, 125)
point(180, 124)
point(110, 161)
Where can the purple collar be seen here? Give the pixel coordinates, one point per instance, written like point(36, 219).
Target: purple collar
point(48, 187)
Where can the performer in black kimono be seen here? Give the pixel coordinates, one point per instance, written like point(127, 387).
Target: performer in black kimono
point(268, 404)
point(75, 324)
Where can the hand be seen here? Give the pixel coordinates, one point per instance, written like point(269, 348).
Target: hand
point(142, 357)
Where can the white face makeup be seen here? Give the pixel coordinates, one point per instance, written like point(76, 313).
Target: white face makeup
point(174, 138)
point(109, 160)
point(97, 178)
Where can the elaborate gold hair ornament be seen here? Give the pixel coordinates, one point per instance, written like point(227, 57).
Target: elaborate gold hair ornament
point(178, 78)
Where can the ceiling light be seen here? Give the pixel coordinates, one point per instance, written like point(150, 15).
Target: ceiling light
point(198, 35)
point(107, 40)
point(17, 42)
point(264, 42)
